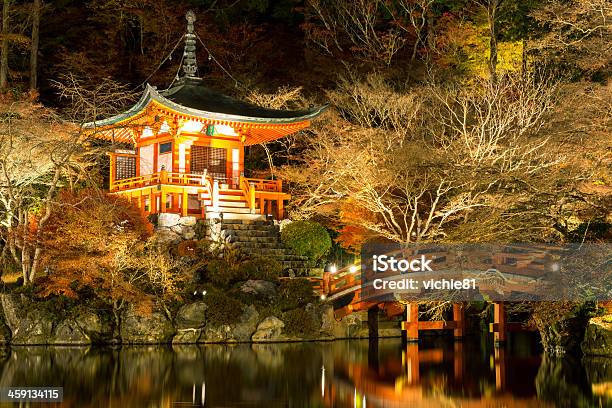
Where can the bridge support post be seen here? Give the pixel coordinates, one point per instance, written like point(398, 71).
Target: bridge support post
point(373, 322)
point(459, 319)
point(411, 324)
point(498, 327)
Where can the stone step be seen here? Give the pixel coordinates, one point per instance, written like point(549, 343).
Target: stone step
point(225, 210)
point(255, 245)
point(223, 203)
point(246, 234)
point(252, 240)
point(234, 216)
point(247, 227)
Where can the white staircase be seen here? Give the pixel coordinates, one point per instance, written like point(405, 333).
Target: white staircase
point(232, 205)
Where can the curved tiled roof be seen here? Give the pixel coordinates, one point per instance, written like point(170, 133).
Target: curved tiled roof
point(190, 97)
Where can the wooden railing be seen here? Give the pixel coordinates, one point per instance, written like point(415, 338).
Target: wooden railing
point(275, 186)
point(162, 177)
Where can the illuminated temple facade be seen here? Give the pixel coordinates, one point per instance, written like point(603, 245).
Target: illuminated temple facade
point(185, 148)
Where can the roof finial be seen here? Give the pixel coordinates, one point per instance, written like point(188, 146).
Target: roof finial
point(190, 65)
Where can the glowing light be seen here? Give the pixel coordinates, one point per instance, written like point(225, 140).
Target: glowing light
point(191, 126)
point(225, 130)
point(333, 269)
point(323, 381)
point(353, 268)
point(147, 132)
point(323, 297)
point(164, 128)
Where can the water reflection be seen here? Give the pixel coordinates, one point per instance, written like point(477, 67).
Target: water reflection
point(381, 373)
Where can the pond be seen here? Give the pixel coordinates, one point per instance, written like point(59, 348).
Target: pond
point(351, 373)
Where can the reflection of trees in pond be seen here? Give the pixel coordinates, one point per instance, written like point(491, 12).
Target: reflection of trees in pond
point(127, 376)
point(274, 374)
point(566, 382)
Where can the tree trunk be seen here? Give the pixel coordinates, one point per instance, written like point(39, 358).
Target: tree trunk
point(35, 39)
point(491, 15)
point(5, 46)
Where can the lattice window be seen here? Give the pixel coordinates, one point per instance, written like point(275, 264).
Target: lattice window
point(125, 167)
point(212, 159)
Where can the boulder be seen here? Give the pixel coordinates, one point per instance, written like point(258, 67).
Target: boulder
point(237, 332)
point(95, 326)
point(69, 332)
point(165, 236)
point(244, 329)
point(348, 327)
point(598, 337)
point(187, 336)
point(140, 328)
point(189, 221)
point(218, 334)
point(167, 220)
point(187, 232)
point(259, 287)
point(191, 316)
point(270, 329)
point(28, 324)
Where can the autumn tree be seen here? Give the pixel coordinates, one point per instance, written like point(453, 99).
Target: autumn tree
point(441, 162)
point(100, 243)
point(575, 35)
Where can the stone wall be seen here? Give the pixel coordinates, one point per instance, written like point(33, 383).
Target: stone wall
point(27, 322)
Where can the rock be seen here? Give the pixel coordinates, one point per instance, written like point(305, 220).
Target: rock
point(189, 221)
point(69, 332)
point(28, 324)
point(191, 316)
point(167, 220)
point(259, 287)
point(243, 330)
point(187, 232)
point(238, 332)
point(598, 337)
point(165, 236)
point(348, 327)
point(217, 334)
point(145, 328)
point(269, 329)
point(187, 336)
point(564, 335)
point(96, 327)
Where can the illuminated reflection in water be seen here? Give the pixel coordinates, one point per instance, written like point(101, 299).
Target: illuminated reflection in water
point(338, 374)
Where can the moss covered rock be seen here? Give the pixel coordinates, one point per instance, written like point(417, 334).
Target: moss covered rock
point(598, 337)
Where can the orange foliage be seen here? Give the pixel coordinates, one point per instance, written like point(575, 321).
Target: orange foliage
point(87, 244)
point(352, 235)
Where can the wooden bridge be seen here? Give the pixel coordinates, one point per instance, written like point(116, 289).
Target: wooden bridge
point(348, 293)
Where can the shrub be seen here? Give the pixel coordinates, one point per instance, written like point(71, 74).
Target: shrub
point(307, 238)
point(299, 322)
point(222, 273)
point(295, 293)
point(262, 268)
point(222, 308)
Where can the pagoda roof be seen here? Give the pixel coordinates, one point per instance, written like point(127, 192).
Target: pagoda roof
point(190, 97)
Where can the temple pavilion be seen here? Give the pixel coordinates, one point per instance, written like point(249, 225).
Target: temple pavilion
point(184, 148)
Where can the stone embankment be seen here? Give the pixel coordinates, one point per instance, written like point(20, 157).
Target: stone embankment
point(27, 322)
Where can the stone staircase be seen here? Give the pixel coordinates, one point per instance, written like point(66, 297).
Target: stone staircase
point(262, 238)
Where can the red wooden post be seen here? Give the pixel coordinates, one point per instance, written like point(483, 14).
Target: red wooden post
point(459, 318)
point(411, 325)
point(499, 320)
